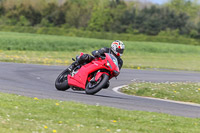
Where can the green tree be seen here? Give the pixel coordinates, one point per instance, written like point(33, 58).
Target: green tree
point(57, 18)
point(78, 12)
point(149, 21)
point(32, 15)
point(2, 10)
point(23, 21)
point(100, 20)
point(49, 9)
point(155, 19)
point(45, 23)
point(198, 27)
point(111, 16)
point(190, 7)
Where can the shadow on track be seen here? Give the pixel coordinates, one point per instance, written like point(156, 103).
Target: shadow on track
point(96, 95)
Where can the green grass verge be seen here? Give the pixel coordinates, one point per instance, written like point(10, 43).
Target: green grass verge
point(19, 114)
point(169, 37)
point(35, 42)
point(49, 49)
point(135, 61)
point(179, 91)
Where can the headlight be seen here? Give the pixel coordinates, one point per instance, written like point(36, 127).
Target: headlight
point(108, 64)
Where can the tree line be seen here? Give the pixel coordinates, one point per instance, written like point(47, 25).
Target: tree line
point(118, 16)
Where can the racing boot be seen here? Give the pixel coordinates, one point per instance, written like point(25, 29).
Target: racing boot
point(72, 66)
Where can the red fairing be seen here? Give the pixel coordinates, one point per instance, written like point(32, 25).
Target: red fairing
point(81, 54)
point(82, 76)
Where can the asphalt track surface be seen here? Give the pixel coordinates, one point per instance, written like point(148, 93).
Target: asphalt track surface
point(38, 81)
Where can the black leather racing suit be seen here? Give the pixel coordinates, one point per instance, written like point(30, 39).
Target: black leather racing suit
point(86, 58)
point(107, 50)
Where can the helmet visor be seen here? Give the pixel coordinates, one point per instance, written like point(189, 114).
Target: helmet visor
point(120, 50)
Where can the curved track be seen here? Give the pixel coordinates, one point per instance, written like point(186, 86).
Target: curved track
point(38, 81)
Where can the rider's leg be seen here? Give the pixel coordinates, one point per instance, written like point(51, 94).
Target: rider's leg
point(72, 66)
point(85, 58)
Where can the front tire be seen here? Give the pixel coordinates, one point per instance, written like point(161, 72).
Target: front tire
point(61, 82)
point(93, 88)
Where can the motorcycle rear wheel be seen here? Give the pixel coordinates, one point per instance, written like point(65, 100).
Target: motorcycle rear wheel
point(93, 88)
point(61, 82)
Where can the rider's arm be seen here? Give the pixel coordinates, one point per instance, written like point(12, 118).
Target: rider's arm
point(96, 53)
point(99, 52)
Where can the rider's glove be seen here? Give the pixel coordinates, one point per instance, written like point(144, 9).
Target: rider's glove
point(96, 54)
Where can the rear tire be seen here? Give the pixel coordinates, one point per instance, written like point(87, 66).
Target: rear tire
point(92, 89)
point(61, 82)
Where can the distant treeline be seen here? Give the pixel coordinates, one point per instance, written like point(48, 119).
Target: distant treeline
point(116, 16)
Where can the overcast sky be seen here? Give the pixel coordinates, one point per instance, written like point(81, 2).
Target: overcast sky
point(158, 1)
point(153, 1)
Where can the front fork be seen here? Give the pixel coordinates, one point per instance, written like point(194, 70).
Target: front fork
point(99, 74)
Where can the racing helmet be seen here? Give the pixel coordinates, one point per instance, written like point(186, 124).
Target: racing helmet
point(117, 47)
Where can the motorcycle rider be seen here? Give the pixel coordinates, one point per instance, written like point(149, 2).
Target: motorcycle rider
point(116, 49)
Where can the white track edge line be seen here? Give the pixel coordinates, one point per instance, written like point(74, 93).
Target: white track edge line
point(116, 89)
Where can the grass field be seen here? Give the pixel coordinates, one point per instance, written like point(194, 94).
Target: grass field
point(36, 42)
point(58, 50)
point(19, 114)
point(179, 91)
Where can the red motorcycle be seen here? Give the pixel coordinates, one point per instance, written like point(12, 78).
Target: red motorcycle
point(91, 77)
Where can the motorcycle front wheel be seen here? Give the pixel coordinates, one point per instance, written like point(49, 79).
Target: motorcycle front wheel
point(94, 87)
point(61, 82)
